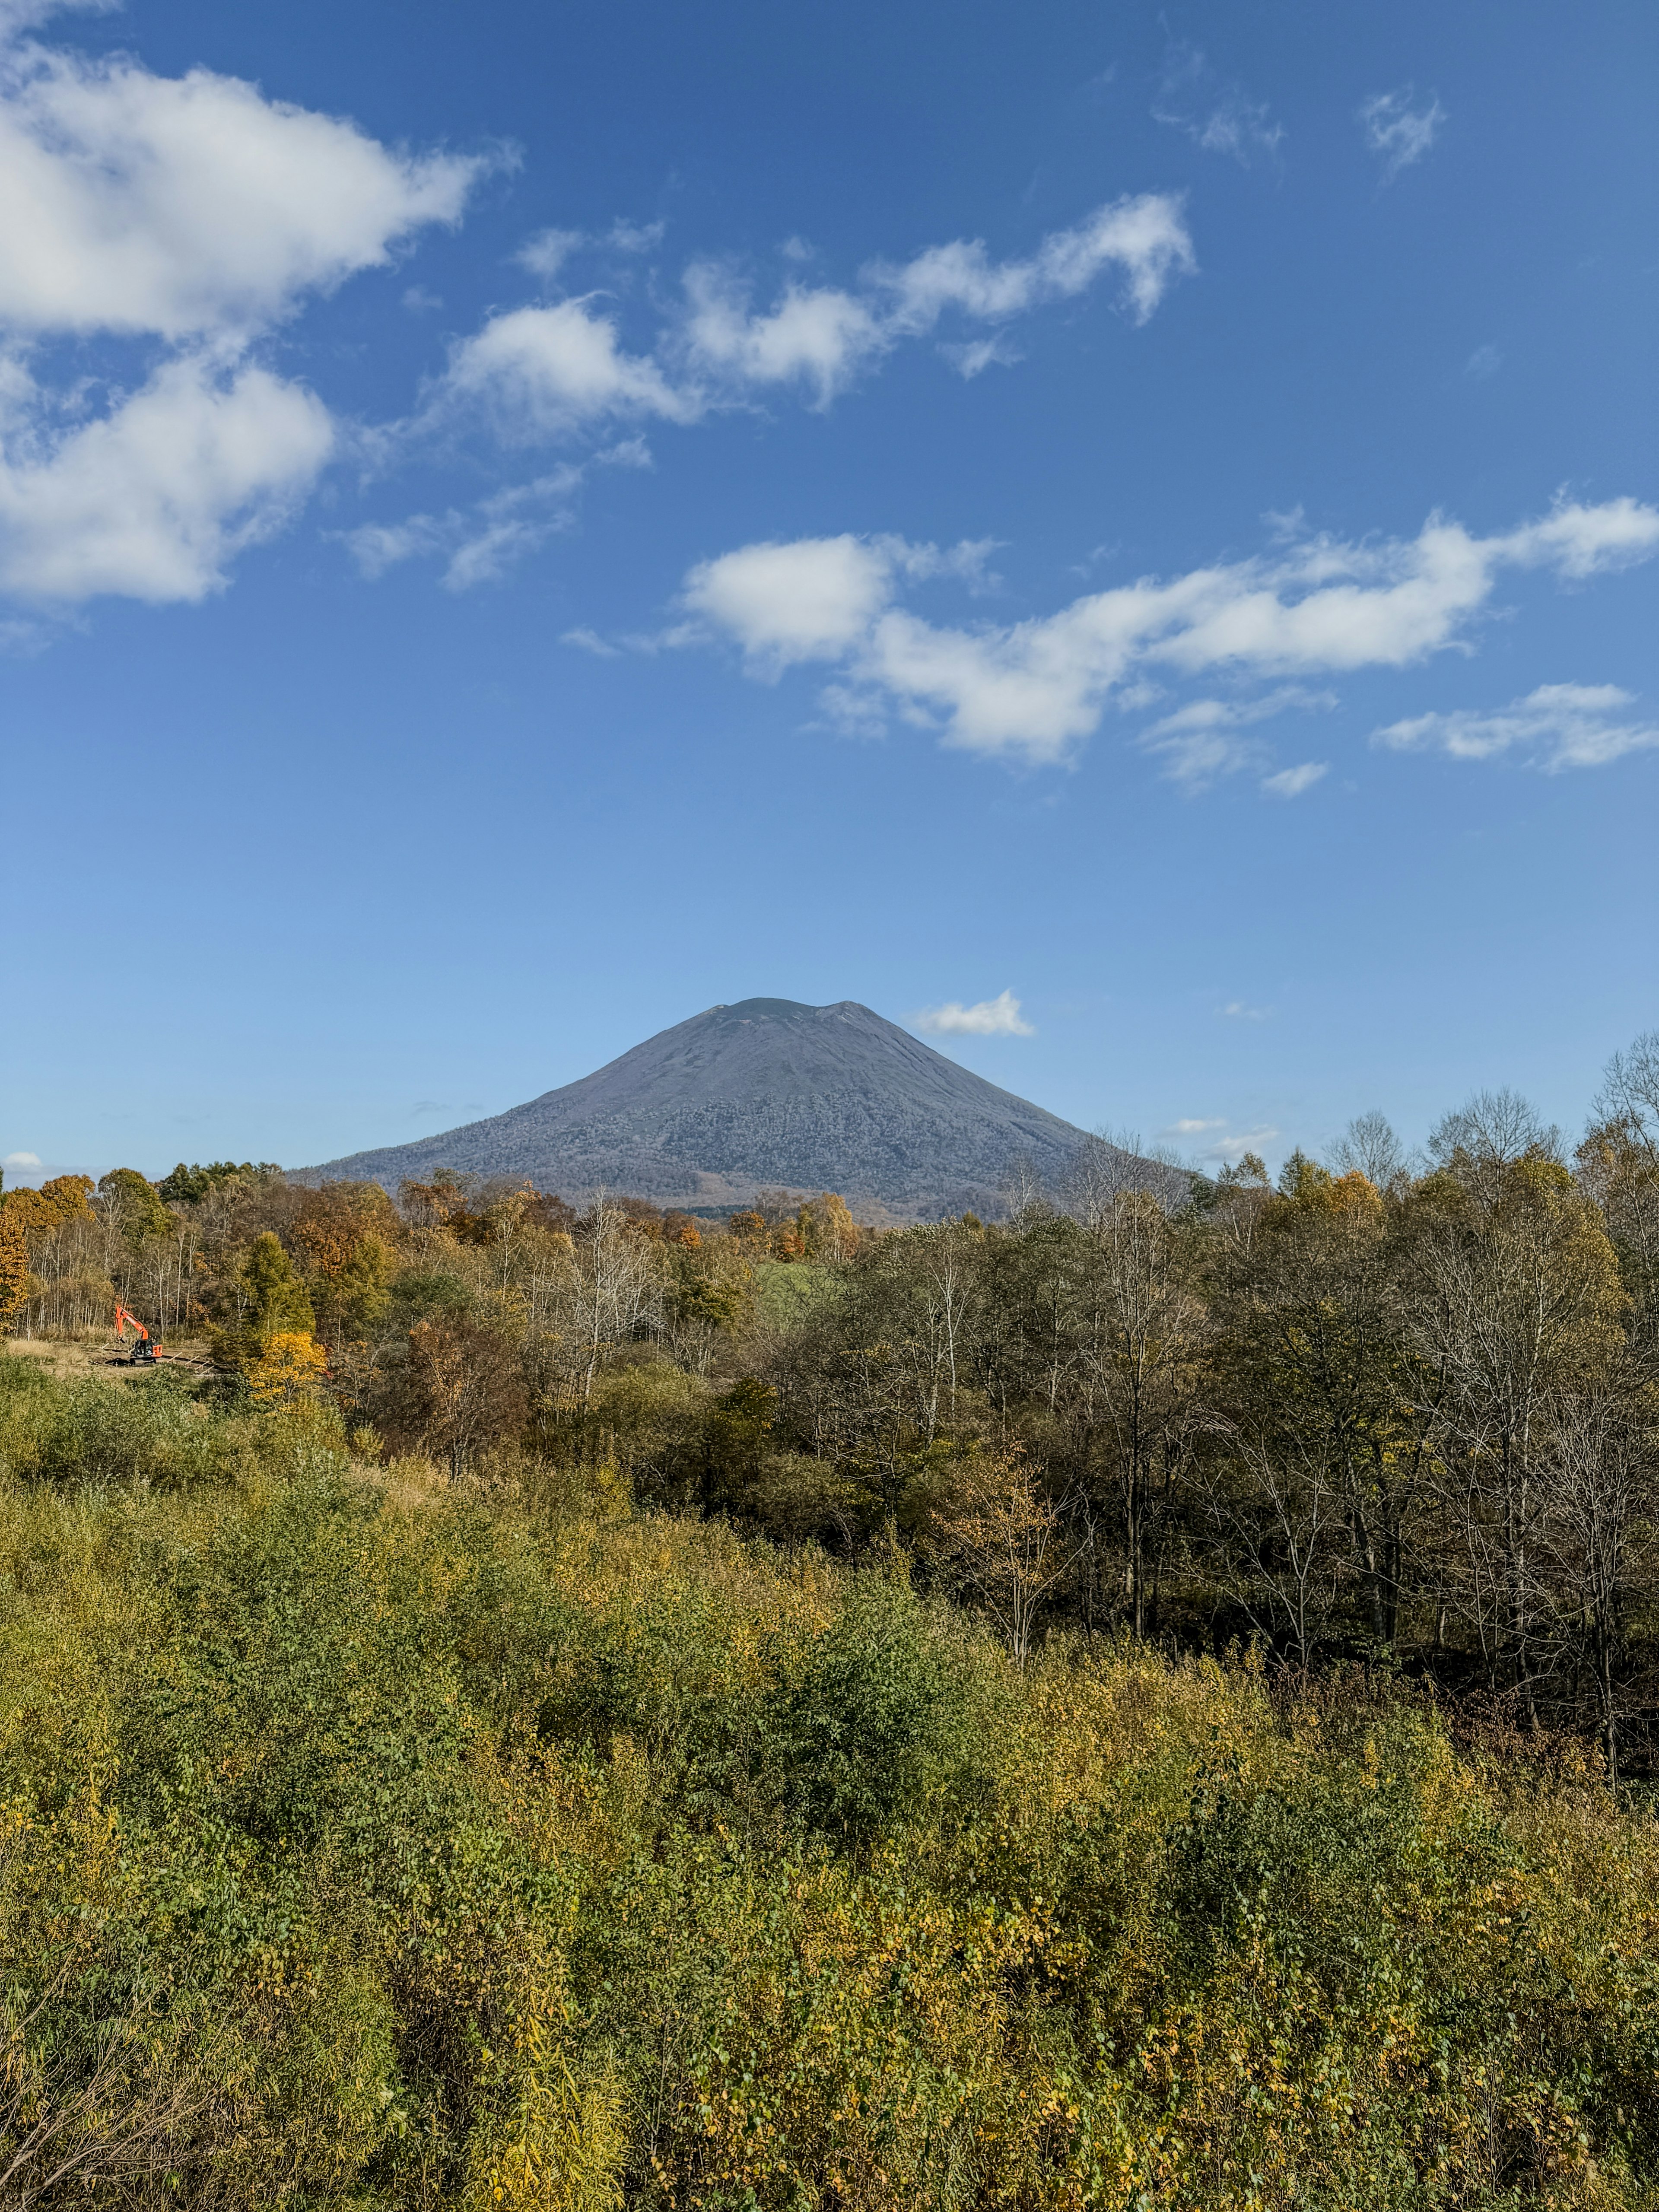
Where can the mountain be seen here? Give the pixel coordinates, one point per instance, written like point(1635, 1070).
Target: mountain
point(764, 1094)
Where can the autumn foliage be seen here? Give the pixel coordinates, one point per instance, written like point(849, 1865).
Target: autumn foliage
point(572, 1704)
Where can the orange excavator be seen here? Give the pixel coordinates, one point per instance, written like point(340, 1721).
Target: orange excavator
point(142, 1353)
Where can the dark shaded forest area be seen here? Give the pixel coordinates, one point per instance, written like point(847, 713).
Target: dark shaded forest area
point(1120, 1705)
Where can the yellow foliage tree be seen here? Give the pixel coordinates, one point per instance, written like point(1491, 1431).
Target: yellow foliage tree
point(14, 1265)
point(1002, 1536)
point(291, 1367)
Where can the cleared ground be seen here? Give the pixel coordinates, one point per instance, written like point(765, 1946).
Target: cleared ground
point(97, 1355)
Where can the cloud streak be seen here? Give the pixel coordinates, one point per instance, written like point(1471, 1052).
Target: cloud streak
point(1200, 741)
point(1400, 128)
point(1033, 690)
point(1220, 116)
point(482, 543)
point(1557, 726)
point(538, 373)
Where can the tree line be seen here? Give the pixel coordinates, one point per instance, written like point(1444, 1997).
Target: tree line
point(1131, 1704)
point(1400, 1410)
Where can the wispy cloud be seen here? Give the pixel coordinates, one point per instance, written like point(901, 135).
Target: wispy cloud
point(1400, 128)
point(545, 254)
point(548, 371)
point(1237, 1010)
point(1292, 782)
point(1216, 114)
point(1200, 741)
point(1486, 361)
point(481, 542)
point(1215, 1139)
point(1558, 726)
point(21, 1160)
point(998, 1016)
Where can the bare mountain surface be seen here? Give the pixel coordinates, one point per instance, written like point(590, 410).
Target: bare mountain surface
point(764, 1094)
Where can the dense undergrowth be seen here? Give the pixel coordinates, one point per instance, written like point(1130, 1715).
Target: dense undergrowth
point(369, 1838)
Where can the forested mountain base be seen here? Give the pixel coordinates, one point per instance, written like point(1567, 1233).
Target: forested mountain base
point(1116, 1707)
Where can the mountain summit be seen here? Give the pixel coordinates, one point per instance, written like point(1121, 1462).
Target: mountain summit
point(765, 1093)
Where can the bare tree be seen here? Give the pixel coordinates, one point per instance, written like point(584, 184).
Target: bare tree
point(1598, 1470)
point(1369, 1146)
point(1493, 1130)
point(611, 1290)
point(1274, 1515)
point(1629, 1091)
point(1143, 1357)
point(1025, 1192)
point(1519, 1302)
point(1619, 1163)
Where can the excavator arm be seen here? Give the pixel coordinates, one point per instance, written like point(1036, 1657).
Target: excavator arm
point(143, 1349)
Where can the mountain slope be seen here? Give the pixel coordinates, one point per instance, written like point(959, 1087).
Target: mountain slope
point(764, 1093)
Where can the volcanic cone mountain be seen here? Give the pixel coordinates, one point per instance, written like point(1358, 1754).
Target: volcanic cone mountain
point(764, 1094)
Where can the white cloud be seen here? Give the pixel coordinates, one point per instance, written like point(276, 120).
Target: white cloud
point(1558, 726)
point(1239, 1010)
point(811, 600)
point(153, 500)
point(21, 1160)
point(824, 336)
point(192, 213)
point(1292, 782)
point(181, 206)
point(1584, 541)
point(1486, 361)
point(998, 1016)
point(1144, 237)
point(589, 641)
point(539, 373)
point(545, 372)
point(819, 336)
point(1034, 688)
point(1400, 128)
point(1221, 117)
point(815, 599)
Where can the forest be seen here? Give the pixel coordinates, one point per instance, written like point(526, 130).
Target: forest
point(1132, 1704)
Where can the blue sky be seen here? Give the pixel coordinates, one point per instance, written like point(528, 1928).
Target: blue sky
point(1123, 538)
